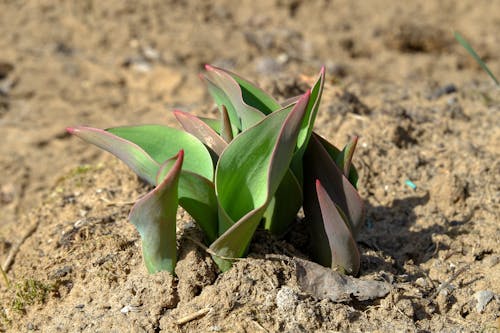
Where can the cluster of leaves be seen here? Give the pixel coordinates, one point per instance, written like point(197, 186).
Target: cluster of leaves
point(256, 165)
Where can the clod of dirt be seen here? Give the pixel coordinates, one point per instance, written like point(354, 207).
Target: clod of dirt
point(324, 283)
point(413, 37)
point(403, 136)
point(5, 69)
point(192, 281)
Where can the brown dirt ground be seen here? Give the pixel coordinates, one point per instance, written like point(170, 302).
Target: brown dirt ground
point(423, 109)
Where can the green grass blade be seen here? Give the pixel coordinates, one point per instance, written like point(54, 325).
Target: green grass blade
point(476, 57)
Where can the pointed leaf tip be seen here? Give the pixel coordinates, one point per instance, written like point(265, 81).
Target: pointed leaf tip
point(344, 253)
point(180, 156)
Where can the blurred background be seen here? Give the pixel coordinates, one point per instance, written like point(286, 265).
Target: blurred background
point(110, 63)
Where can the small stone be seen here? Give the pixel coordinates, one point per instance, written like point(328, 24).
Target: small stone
point(482, 298)
point(150, 53)
point(286, 299)
point(421, 282)
point(441, 91)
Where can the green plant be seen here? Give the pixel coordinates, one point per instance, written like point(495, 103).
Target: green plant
point(256, 165)
point(30, 292)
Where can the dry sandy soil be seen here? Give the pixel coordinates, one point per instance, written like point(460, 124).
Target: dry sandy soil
point(424, 111)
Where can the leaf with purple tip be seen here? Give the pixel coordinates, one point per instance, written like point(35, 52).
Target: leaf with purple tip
point(154, 216)
point(319, 165)
point(197, 196)
point(308, 125)
point(337, 248)
point(202, 131)
point(130, 153)
point(254, 96)
point(230, 95)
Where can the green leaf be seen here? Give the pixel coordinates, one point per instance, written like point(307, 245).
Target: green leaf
point(249, 173)
point(230, 95)
point(212, 123)
point(222, 126)
point(284, 206)
point(311, 111)
point(202, 131)
point(197, 197)
point(154, 216)
point(221, 100)
point(162, 142)
point(319, 165)
point(130, 153)
point(332, 240)
point(253, 95)
point(308, 125)
point(344, 159)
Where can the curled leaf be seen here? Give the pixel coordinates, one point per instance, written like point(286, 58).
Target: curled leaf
point(226, 131)
point(197, 196)
point(344, 159)
point(154, 216)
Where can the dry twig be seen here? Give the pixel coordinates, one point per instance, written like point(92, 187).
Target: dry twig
point(12, 254)
point(193, 316)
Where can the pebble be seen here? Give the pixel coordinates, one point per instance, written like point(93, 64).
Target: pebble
point(421, 282)
point(441, 91)
point(483, 297)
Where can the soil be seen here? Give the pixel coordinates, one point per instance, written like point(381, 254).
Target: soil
point(424, 111)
